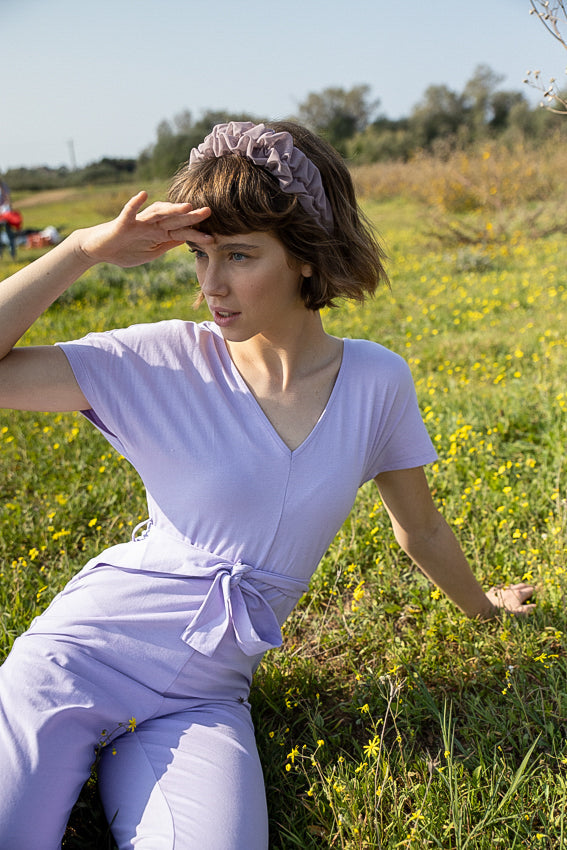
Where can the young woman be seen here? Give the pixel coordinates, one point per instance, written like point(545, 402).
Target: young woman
point(252, 434)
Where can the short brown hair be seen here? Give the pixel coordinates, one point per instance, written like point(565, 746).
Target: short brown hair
point(244, 197)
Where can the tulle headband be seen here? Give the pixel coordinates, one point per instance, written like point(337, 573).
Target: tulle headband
point(277, 154)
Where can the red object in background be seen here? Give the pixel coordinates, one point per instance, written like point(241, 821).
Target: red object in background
point(13, 218)
point(36, 240)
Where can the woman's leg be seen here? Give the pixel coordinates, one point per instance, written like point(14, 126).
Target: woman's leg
point(11, 240)
point(187, 781)
point(109, 648)
point(55, 703)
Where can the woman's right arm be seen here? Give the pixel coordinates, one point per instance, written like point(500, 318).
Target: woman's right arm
point(40, 378)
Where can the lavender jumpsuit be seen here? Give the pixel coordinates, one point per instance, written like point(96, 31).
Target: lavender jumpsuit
point(169, 627)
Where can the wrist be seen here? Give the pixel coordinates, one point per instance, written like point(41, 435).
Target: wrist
point(489, 612)
point(84, 247)
point(486, 610)
point(79, 240)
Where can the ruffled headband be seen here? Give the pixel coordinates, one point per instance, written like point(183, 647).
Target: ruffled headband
point(277, 154)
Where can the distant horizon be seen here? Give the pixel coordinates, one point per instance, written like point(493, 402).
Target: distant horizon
point(74, 101)
point(72, 165)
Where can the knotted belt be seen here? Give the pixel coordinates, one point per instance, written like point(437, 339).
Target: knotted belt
point(233, 602)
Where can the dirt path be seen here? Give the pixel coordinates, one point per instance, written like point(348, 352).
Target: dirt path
point(50, 196)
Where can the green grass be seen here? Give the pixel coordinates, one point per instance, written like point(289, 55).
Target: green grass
point(70, 208)
point(388, 719)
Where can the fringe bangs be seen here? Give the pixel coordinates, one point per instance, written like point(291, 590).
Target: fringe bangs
point(242, 197)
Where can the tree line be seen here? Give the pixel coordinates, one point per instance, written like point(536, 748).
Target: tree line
point(350, 119)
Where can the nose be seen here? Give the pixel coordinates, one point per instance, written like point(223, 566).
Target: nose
point(212, 279)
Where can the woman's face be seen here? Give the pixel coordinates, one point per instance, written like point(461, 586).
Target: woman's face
point(251, 284)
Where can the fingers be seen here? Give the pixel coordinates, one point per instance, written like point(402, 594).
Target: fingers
point(522, 591)
point(171, 216)
point(513, 598)
point(160, 210)
point(157, 228)
point(182, 226)
point(132, 207)
point(176, 222)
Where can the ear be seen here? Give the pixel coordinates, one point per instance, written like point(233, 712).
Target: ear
point(306, 270)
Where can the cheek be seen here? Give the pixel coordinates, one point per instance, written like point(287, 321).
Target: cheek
point(290, 277)
point(199, 271)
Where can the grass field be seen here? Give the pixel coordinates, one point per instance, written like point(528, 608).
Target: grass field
point(388, 720)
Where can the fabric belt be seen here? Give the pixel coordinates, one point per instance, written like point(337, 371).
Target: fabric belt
point(233, 602)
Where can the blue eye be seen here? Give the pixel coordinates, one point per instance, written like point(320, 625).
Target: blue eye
point(238, 257)
point(199, 255)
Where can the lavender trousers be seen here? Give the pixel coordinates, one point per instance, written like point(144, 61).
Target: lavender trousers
point(115, 645)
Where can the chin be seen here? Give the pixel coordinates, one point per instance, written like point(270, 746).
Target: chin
point(233, 335)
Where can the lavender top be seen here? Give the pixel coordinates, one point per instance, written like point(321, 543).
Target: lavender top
point(219, 479)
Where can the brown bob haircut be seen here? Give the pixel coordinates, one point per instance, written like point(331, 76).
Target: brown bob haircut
point(244, 197)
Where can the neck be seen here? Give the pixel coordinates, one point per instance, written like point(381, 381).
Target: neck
point(282, 361)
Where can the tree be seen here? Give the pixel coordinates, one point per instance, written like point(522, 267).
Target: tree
point(381, 142)
point(502, 105)
point(176, 139)
point(183, 122)
point(478, 95)
point(481, 107)
point(440, 112)
point(107, 170)
point(337, 114)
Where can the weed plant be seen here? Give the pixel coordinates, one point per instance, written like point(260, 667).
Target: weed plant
point(388, 719)
point(483, 194)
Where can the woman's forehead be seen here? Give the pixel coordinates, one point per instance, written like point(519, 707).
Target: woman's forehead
point(241, 241)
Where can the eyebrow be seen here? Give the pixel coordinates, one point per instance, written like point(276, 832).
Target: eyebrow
point(226, 246)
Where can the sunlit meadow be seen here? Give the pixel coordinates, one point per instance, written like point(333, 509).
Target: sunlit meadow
point(388, 720)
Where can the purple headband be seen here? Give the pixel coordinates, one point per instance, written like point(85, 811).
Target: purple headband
point(277, 154)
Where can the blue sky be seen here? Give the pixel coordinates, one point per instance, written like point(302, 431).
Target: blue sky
point(103, 75)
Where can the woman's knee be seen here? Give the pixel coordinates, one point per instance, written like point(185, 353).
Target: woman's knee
point(49, 732)
point(190, 780)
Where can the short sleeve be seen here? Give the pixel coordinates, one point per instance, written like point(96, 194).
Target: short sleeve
point(397, 436)
point(120, 373)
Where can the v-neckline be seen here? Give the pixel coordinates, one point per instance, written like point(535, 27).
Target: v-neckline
point(263, 417)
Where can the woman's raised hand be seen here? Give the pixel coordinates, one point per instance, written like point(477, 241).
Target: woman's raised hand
point(137, 236)
point(40, 379)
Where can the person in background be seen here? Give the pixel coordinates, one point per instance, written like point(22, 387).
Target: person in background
point(5, 219)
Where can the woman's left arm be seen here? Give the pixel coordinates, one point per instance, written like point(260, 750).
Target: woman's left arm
point(426, 537)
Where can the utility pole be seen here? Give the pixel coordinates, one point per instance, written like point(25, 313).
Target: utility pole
point(72, 154)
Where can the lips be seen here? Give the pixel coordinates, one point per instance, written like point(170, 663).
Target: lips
point(223, 318)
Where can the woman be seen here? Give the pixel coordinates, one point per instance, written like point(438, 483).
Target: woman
point(252, 434)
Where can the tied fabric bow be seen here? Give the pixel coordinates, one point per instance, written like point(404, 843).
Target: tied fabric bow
point(232, 600)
